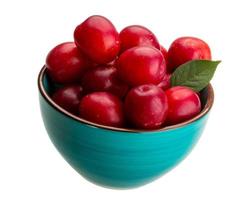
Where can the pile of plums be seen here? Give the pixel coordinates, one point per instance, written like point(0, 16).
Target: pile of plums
point(123, 79)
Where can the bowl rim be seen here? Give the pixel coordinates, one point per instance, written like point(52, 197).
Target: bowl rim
point(204, 111)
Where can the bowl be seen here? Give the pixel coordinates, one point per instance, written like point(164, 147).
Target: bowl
point(119, 157)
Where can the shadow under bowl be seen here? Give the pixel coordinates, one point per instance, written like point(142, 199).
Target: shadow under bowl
point(119, 157)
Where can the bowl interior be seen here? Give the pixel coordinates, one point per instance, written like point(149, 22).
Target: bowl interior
point(47, 87)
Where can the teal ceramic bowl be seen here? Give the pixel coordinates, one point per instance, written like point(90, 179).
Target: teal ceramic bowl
point(117, 157)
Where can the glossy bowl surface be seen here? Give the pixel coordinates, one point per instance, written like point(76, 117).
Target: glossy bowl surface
point(116, 157)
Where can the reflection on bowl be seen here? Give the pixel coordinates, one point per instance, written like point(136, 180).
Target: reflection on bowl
point(119, 157)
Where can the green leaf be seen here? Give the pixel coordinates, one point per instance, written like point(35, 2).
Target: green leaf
point(195, 74)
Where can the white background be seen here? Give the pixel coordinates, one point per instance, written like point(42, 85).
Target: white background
point(30, 166)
